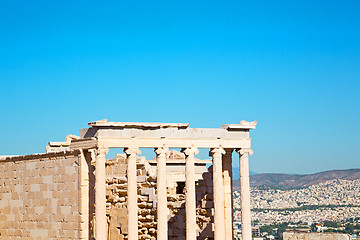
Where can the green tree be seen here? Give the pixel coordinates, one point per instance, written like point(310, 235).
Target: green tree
point(349, 228)
point(331, 224)
point(313, 227)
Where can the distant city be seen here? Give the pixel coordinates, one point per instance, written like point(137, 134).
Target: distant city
point(323, 206)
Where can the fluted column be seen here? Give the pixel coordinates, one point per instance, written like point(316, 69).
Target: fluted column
point(132, 204)
point(245, 193)
point(190, 197)
point(228, 202)
point(219, 228)
point(162, 227)
point(84, 191)
point(100, 194)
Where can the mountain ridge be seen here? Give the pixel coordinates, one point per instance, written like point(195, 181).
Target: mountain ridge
point(290, 181)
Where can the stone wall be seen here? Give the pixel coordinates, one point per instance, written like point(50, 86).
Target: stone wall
point(315, 236)
point(39, 196)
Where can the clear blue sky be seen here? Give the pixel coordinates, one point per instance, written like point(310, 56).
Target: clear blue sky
point(292, 65)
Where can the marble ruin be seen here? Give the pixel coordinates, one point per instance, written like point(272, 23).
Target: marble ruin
point(294, 235)
point(73, 192)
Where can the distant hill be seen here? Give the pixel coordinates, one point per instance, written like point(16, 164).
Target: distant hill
point(289, 181)
point(236, 173)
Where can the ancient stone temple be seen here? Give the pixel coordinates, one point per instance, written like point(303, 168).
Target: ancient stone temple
point(74, 192)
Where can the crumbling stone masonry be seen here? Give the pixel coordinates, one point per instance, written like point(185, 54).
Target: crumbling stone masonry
point(147, 200)
point(73, 192)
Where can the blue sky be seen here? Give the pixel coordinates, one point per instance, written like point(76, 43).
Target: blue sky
point(292, 65)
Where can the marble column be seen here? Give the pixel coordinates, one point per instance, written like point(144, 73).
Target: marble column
point(100, 195)
point(219, 228)
point(84, 191)
point(162, 211)
point(132, 205)
point(228, 198)
point(190, 196)
point(245, 193)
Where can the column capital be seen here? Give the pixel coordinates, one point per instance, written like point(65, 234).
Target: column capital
point(243, 151)
point(132, 151)
point(218, 150)
point(190, 151)
point(101, 150)
point(228, 151)
point(161, 150)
